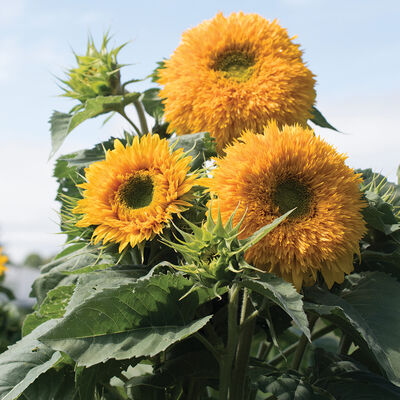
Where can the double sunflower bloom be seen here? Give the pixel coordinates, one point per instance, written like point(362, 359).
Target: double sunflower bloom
point(231, 77)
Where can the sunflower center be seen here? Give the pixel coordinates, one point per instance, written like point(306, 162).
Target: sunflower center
point(236, 65)
point(137, 192)
point(291, 194)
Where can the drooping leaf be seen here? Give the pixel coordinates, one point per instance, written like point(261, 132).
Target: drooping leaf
point(53, 307)
point(200, 146)
point(54, 384)
point(347, 379)
point(53, 274)
point(281, 293)
point(135, 320)
point(152, 103)
point(364, 310)
point(320, 120)
point(61, 124)
point(24, 362)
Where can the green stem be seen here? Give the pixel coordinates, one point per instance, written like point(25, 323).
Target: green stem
point(123, 113)
point(230, 351)
point(302, 345)
point(142, 118)
point(208, 346)
point(290, 349)
point(264, 349)
point(247, 325)
point(344, 344)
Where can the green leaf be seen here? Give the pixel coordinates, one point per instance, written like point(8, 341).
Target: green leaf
point(54, 384)
point(285, 386)
point(59, 128)
point(152, 103)
point(281, 293)
point(364, 310)
point(348, 380)
point(200, 146)
point(53, 307)
point(24, 362)
point(320, 120)
point(135, 320)
point(54, 274)
point(61, 124)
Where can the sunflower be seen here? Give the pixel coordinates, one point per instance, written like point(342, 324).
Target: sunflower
point(267, 175)
point(235, 73)
point(134, 192)
point(3, 260)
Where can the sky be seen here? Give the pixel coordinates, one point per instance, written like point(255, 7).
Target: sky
point(352, 47)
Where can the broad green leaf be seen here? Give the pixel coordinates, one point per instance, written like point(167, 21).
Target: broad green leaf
point(53, 307)
point(347, 379)
point(61, 124)
point(135, 320)
point(320, 120)
point(54, 384)
point(200, 146)
point(59, 127)
point(152, 103)
point(24, 362)
point(281, 293)
point(54, 274)
point(286, 386)
point(364, 309)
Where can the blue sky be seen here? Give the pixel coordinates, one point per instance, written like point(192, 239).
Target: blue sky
point(353, 47)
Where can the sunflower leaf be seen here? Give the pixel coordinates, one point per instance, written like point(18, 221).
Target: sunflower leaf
point(61, 124)
point(134, 320)
point(52, 307)
point(24, 362)
point(287, 386)
point(281, 293)
point(200, 146)
point(364, 310)
point(320, 120)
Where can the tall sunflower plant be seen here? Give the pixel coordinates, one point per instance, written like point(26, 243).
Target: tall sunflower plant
point(228, 252)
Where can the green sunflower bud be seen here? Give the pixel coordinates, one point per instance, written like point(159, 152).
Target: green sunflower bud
point(97, 73)
point(213, 254)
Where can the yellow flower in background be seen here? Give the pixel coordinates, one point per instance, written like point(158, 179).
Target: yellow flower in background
point(235, 73)
point(268, 175)
point(134, 192)
point(3, 260)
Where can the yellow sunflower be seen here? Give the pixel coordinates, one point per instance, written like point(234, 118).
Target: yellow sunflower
point(3, 260)
point(134, 192)
point(268, 175)
point(235, 73)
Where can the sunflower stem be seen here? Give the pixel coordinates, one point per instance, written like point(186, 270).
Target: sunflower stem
point(302, 345)
point(123, 114)
point(247, 325)
point(142, 118)
point(344, 344)
point(290, 349)
point(230, 350)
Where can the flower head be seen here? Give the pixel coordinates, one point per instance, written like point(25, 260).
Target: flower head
point(97, 73)
point(3, 260)
point(132, 194)
point(268, 175)
point(235, 73)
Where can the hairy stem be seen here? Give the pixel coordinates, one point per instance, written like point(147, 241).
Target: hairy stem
point(344, 344)
point(142, 118)
point(123, 113)
point(290, 349)
point(230, 351)
point(247, 325)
